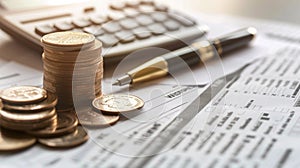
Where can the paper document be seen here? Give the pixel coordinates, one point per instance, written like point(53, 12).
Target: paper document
point(127, 138)
point(13, 73)
point(252, 121)
point(255, 121)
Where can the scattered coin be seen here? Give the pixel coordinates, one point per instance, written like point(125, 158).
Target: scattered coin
point(88, 117)
point(70, 140)
point(23, 94)
point(117, 103)
point(12, 141)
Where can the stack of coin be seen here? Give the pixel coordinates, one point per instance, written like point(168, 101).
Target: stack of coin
point(28, 113)
point(27, 108)
point(73, 67)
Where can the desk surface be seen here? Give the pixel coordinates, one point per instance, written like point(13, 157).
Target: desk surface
point(280, 10)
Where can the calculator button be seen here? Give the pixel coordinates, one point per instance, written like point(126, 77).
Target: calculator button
point(130, 12)
point(183, 20)
point(117, 5)
point(129, 23)
point(171, 25)
point(125, 36)
point(132, 3)
point(98, 19)
point(146, 9)
point(160, 7)
point(144, 20)
point(141, 33)
point(45, 29)
point(159, 16)
point(89, 9)
point(157, 29)
point(95, 30)
point(77, 30)
point(147, 2)
point(63, 26)
point(111, 27)
point(108, 40)
point(116, 15)
point(82, 22)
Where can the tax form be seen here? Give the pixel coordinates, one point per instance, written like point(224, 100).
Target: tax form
point(13, 74)
point(256, 121)
point(252, 121)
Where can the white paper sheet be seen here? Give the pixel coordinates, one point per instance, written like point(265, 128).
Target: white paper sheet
point(247, 124)
point(13, 73)
point(256, 121)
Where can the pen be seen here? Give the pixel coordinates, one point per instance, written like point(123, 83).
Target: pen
point(191, 55)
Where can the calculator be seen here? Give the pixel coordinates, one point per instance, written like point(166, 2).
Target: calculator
point(122, 26)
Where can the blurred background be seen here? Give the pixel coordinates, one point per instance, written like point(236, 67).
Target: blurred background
point(280, 10)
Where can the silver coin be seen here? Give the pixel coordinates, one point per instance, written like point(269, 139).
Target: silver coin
point(118, 103)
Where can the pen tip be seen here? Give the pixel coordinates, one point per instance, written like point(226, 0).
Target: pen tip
point(124, 80)
point(116, 83)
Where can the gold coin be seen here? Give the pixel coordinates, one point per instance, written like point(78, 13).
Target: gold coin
point(67, 96)
point(68, 39)
point(27, 126)
point(66, 123)
point(12, 141)
point(73, 85)
point(23, 94)
point(61, 108)
point(48, 103)
point(91, 61)
point(70, 110)
point(72, 64)
point(83, 56)
point(86, 81)
point(27, 117)
point(117, 103)
point(87, 59)
point(90, 51)
point(71, 75)
point(88, 117)
point(70, 140)
point(69, 66)
point(72, 70)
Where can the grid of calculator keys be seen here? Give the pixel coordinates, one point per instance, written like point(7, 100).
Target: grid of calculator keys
point(124, 23)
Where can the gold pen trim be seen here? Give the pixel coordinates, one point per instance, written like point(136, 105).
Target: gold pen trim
point(219, 48)
point(206, 50)
point(153, 69)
